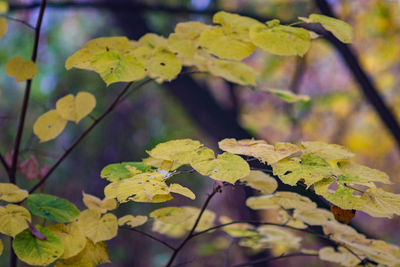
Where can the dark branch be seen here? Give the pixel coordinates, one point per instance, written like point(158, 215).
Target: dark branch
point(4, 163)
point(18, 138)
point(191, 232)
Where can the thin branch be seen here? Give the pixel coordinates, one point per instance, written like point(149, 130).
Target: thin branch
point(4, 163)
point(18, 138)
point(86, 132)
point(251, 263)
point(150, 236)
point(191, 233)
point(18, 20)
point(228, 252)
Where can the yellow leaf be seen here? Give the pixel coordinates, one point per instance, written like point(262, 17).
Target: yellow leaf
point(259, 149)
point(153, 41)
point(145, 187)
point(12, 193)
point(49, 125)
point(116, 67)
point(4, 7)
point(314, 216)
point(171, 215)
point(379, 203)
point(233, 71)
point(97, 227)
point(132, 221)
point(225, 45)
point(261, 181)
point(94, 203)
point(164, 65)
point(176, 150)
point(1, 247)
point(235, 24)
point(3, 27)
point(237, 229)
point(21, 70)
point(178, 189)
point(75, 108)
point(226, 167)
point(262, 202)
point(342, 256)
point(92, 255)
point(13, 219)
point(364, 173)
point(280, 40)
point(339, 28)
point(327, 151)
point(285, 218)
point(71, 236)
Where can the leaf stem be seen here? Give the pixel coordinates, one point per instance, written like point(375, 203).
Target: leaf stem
point(191, 233)
point(150, 236)
point(25, 103)
point(18, 20)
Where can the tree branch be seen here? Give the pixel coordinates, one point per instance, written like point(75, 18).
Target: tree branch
point(87, 131)
point(251, 263)
point(5, 165)
point(150, 236)
point(191, 233)
point(18, 138)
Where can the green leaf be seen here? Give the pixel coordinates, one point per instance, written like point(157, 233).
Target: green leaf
point(280, 40)
point(52, 207)
point(339, 28)
point(118, 171)
point(34, 251)
point(288, 96)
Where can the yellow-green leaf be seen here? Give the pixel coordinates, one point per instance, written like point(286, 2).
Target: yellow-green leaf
point(12, 193)
point(233, 71)
point(116, 67)
point(262, 202)
point(176, 150)
point(94, 203)
point(71, 236)
point(178, 189)
point(3, 27)
point(76, 108)
point(259, 149)
point(261, 181)
point(226, 167)
point(314, 216)
point(288, 96)
point(171, 215)
point(132, 221)
point(364, 173)
point(225, 45)
point(164, 65)
point(4, 7)
point(118, 171)
point(145, 187)
point(97, 227)
point(311, 169)
point(92, 255)
point(13, 219)
point(339, 28)
point(280, 40)
point(185, 39)
point(1, 247)
point(34, 251)
point(235, 24)
point(327, 151)
point(49, 126)
point(21, 70)
point(379, 203)
point(338, 255)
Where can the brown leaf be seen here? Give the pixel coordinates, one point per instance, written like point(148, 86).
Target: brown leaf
point(30, 168)
point(342, 215)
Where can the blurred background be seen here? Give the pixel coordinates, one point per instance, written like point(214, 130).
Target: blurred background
point(207, 108)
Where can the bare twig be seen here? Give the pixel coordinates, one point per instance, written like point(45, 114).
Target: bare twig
point(150, 236)
point(18, 138)
point(4, 163)
point(251, 263)
point(191, 233)
point(18, 20)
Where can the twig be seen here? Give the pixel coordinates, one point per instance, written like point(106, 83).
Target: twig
point(191, 233)
point(251, 263)
point(18, 138)
point(18, 20)
point(4, 163)
point(150, 236)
